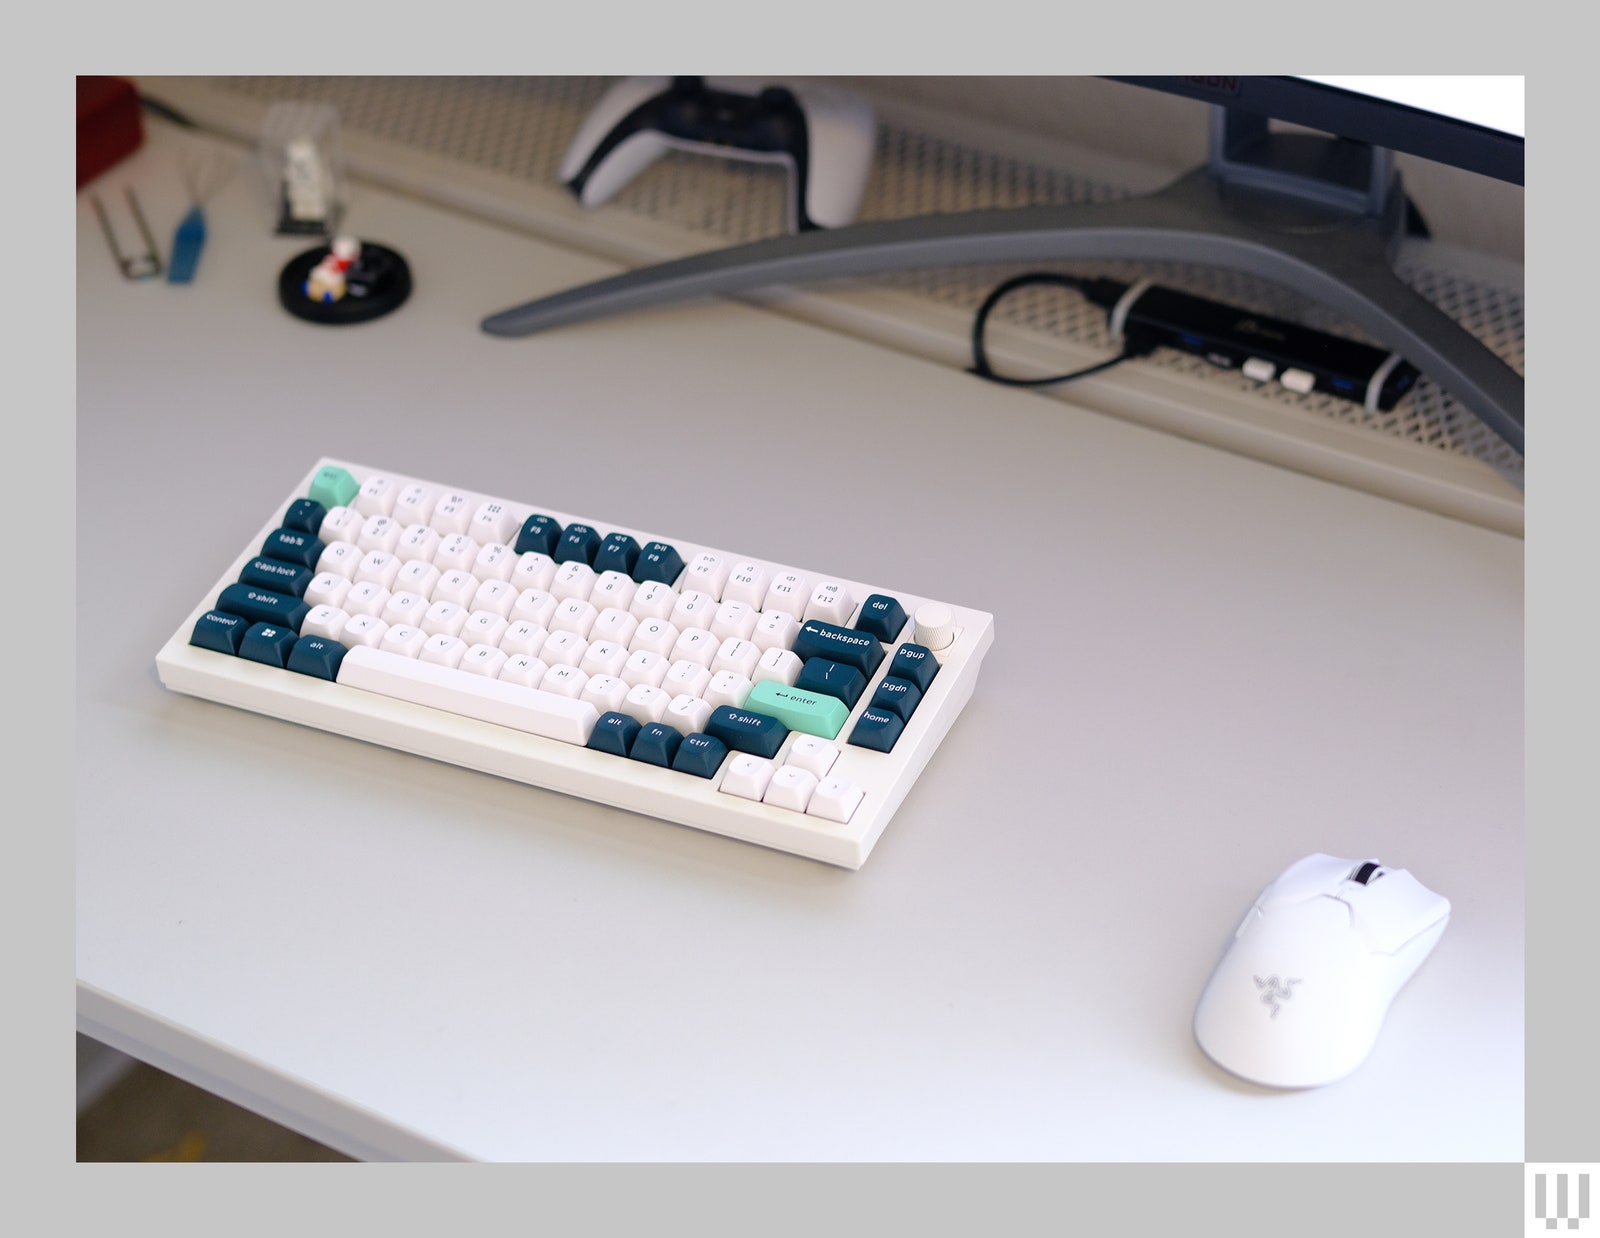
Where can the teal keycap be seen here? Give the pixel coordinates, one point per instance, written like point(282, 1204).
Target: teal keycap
point(333, 487)
point(815, 713)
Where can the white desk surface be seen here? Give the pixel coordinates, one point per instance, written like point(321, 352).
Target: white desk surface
point(1204, 668)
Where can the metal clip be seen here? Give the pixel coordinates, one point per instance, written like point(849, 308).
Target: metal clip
point(141, 266)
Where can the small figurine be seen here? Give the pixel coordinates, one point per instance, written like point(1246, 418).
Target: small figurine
point(306, 188)
point(327, 281)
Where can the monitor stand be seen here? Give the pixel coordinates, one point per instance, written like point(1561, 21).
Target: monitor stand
point(1319, 215)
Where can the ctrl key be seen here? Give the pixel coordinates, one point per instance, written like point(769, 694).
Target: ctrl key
point(219, 631)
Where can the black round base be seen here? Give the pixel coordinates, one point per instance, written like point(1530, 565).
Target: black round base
point(389, 286)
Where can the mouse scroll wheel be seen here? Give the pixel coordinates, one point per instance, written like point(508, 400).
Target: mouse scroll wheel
point(1366, 873)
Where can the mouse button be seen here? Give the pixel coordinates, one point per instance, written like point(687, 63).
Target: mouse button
point(1391, 911)
point(1307, 878)
point(1252, 918)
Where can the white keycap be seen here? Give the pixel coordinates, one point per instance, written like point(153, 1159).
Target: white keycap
point(734, 619)
point(656, 635)
point(775, 629)
point(341, 524)
point(495, 595)
point(525, 637)
point(687, 678)
point(340, 558)
point(493, 522)
point(830, 602)
point(564, 649)
point(614, 589)
point(418, 542)
point(457, 552)
point(324, 620)
point(524, 669)
point(457, 586)
point(404, 639)
point(484, 627)
point(688, 714)
point(404, 607)
point(414, 505)
point(362, 630)
point(613, 624)
point(779, 665)
point(645, 667)
point(442, 649)
point(366, 597)
point(453, 513)
point(747, 775)
point(534, 605)
point(644, 703)
point(376, 496)
point(728, 688)
point(417, 576)
point(834, 800)
point(812, 753)
point(654, 600)
point(378, 566)
point(564, 681)
point(706, 573)
point(788, 592)
point(739, 656)
point(494, 561)
point(605, 692)
point(326, 589)
point(695, 644)
point(573, 580)
point(493, 700)
point(791, 787)
point(604, 657)
point(694, 610)
point(484, 660)
point(533, 571)
point(574, 615)
point(747, 583)
point(444, 618)
point(379, 533)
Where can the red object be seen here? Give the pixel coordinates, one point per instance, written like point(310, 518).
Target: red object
point(110, 126)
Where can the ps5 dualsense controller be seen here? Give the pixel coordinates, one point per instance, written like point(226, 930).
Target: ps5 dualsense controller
point(823, 135)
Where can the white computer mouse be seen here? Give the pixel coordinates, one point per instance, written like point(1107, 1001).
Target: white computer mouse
point(1302, 990)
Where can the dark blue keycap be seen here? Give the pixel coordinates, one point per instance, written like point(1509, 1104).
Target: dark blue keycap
point(658, 561)
point(898, 696)
point(279, 577)
point(883, 616)
point(269, 643)
point(538, 534)
point(305, 516)
point(219, 631)
point(915, 664)
point(259, 605)
point(656, 744)
point(614, 733)
point(317, 656)
point(700, 754)
point(292, 546)
point(618, 553)
point(577, 543)
point(744, 730)
point(877, 729)
point(847, 645)
point(833, 679)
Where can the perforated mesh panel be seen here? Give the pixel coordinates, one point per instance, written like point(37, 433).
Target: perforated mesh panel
point(520, 128)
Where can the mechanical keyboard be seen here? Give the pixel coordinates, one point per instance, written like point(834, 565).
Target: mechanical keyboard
point(775, 704)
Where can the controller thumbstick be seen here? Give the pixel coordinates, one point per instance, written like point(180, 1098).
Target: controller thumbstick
point(935, 626)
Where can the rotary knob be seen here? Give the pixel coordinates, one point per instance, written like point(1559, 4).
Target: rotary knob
point(935, 626)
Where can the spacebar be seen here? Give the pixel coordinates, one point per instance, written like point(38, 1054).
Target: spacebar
point(471, 696)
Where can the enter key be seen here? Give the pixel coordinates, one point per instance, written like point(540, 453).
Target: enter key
point(814, 713)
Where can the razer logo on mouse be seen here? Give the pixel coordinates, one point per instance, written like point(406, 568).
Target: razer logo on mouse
point(1274, 991)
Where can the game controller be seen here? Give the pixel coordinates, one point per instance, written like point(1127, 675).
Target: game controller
point(824, 135)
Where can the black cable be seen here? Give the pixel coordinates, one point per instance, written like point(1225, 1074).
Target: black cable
point(166, 112)
point(980, 360)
